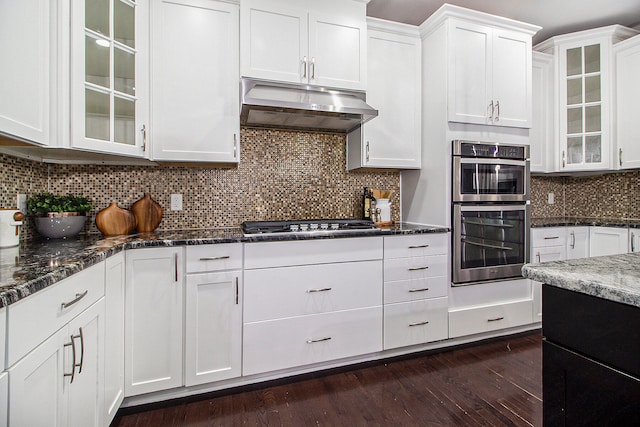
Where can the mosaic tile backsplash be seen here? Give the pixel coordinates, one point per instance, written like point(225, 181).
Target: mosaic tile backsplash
point(282, 175)
point(614, 195)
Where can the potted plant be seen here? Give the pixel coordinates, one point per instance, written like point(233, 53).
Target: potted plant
point(58, 216)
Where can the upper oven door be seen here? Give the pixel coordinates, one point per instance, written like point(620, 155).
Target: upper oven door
point(490, 180)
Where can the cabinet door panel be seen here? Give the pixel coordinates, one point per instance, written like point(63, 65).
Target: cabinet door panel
point(153, 322)
point(274, 41)
point(393, 68)
point(86, 393)
point(470, 73)
point(512, 78)
point(4, 399)
point(627, 57)
point(195, 42)
point(577, 242)
point(337, 51)
point(38, 377)
point(608, 241)
point(213, 327)
point(114, 335)
point(25, 84)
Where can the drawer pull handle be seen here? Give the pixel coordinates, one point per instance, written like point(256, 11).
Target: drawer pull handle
point(552, 238)
point(419, 323)
point(495, 319)
point(72, 343)
point(318, 340)
point(418, 268)
point(309, 291)
point(419, 290)
point(418, 246)
point(78, 297)
point(214, 258)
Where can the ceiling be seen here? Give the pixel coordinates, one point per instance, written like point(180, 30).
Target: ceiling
point(554, 16)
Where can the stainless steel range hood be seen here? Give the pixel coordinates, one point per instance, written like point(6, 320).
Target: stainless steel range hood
point(289, 106)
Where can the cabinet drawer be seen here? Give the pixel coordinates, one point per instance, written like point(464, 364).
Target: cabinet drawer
point(297, 341)
point(201, 258)
point(295, 291)
point(303, 252)
point(415, 267)
point(415, 289)
point(416, 245)
point(35, 318)
point(548, 236)
point(476, 320)
point(415, 322)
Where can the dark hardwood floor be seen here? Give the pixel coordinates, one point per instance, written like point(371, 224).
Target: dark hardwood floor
point(495, 383)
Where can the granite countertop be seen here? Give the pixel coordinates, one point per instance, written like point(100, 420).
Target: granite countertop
point(38, 263)
point(584, 221)
point(615, 278)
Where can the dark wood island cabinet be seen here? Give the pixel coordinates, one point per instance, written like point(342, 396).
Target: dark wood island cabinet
point(590, 359)
point(591, 345)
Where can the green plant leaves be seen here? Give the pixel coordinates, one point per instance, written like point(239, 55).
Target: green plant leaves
point(42, 203)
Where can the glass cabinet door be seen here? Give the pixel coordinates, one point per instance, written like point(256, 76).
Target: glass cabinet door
point(584, 106)
point(109, 96)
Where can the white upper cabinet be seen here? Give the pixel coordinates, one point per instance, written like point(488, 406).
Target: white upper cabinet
point(195, 113)
point(489, 71)
point(109, 76)
point(627, 137)
point(391, 140)
point(27, 47)
point(304, 41)
point(542, 134)
point(584, 96)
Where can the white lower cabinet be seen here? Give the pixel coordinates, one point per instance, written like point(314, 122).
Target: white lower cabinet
point(415, 322)
point(182, 329)
point(474, 320)
point(55, 353)
point(153, 319)
point(114, 335)
point(213, 327)
point(577, 242)
point(310, 302)
point(289, 342)
point(608, 241)
point(4, 398)
point(416, 281)
point(63, 376)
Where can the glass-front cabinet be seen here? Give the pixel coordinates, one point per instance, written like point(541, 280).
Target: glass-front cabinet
point(584, 105)
point(584, 96)
point(109, 68)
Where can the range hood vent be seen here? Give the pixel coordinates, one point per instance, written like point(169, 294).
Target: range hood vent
point(289, 106)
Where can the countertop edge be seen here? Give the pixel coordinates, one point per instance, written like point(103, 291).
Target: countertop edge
point(14, 293)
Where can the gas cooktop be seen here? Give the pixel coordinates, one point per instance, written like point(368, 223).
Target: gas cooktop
point(306, 225)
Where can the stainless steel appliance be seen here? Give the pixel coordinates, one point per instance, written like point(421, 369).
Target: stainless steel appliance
point(490, 211)
point(307, 226)
point(484, 172)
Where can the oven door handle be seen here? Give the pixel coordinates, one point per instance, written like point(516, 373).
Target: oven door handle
point(484, 245)
point(466, 221)
point(491, 161)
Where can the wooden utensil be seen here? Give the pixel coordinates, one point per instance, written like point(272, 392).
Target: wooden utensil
point(148, 214)
point(114, 221)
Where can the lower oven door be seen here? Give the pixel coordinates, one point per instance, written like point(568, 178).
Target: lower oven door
point(489, 242)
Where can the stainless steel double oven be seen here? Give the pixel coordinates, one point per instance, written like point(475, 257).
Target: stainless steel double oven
point(490, 211)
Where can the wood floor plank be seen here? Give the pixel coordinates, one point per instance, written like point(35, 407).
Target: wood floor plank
point(494, 383)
